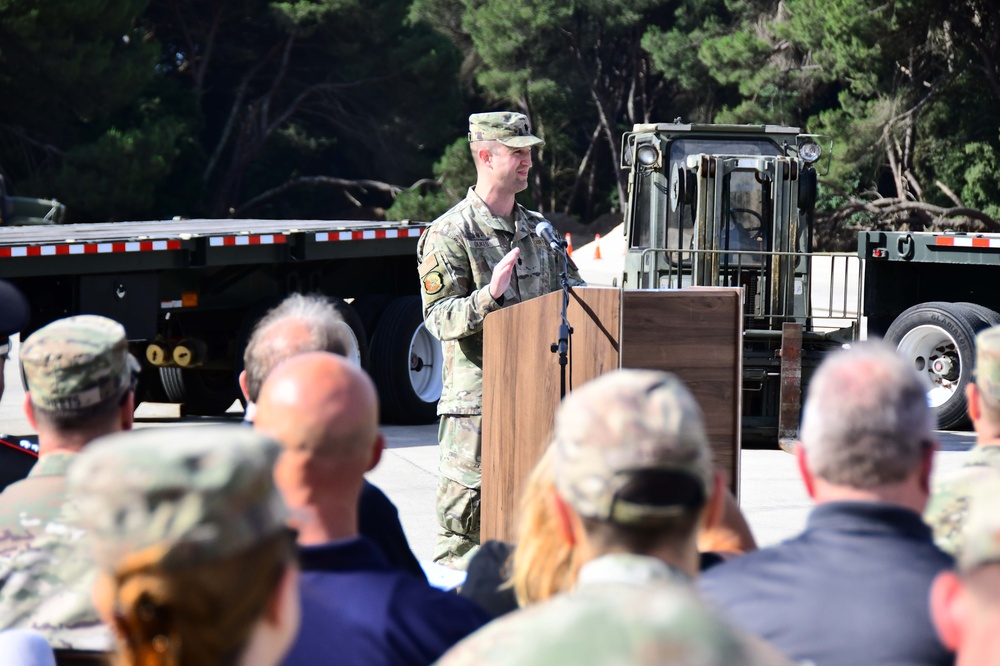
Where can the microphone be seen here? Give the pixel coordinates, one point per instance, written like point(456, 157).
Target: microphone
point(548, 234)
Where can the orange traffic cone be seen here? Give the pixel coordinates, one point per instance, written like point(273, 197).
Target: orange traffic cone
point(597, 246)
point(569, 245)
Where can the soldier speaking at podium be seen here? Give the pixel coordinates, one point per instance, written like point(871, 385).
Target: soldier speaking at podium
point(481, 255)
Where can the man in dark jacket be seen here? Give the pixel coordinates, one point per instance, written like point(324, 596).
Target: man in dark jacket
point(302, 324)
point(323, 410)
point(853, 587)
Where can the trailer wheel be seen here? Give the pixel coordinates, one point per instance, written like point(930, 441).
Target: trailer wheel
point(200, 392)
point(939, 339)
point(406, 364)
point(358, 342)
point(989, 316)
point(369, 310)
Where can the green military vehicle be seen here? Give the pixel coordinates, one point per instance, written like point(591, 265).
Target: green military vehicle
point(732, 206)
point(21, 211)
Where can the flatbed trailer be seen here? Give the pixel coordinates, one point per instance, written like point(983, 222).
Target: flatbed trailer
point(929, 293)
point(189, 291)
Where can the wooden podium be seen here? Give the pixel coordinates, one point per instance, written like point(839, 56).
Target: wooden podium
point(693, 333)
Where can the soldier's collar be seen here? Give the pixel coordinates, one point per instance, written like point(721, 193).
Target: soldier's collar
point(629, 569)
point(492, 220)
point(53, 464)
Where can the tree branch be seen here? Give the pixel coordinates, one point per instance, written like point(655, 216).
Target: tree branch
point(361, 186)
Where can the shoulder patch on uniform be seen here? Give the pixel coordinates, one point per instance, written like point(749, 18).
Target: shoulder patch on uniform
point(428, 264)
point(432, 282)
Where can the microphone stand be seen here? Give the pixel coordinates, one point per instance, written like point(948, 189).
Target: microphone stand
point(561, 346)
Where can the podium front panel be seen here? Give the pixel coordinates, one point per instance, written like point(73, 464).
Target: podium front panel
point(697, 334)
point(693, 333)
point(521, 387)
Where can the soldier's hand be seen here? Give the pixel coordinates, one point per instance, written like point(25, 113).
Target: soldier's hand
point(501, 273)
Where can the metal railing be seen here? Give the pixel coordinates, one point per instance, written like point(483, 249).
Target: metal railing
point(775, 284)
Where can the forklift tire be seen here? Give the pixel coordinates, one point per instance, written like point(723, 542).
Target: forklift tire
point(406, 364)
point(940, 340)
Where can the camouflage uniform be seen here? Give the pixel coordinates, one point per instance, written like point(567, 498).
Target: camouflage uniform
point(70, 365)
point(981, 531)
point(626, 608)
point(949, 504)
point(456, 257)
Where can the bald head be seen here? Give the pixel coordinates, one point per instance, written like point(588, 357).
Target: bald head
point(321, 404)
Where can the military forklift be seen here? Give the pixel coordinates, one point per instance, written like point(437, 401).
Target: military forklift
point(732, 206)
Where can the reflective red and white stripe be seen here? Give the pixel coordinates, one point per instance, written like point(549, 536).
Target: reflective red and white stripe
point(367, 234)
point(264, 239)
point(214, 241)
point(88, 248)
point(967, 241)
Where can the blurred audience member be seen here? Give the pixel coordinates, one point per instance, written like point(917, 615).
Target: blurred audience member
point(853, 588)
point(502, 577)
point(632, 483)
point(189, 533)
point(949, 502)
point(324, 411)
point(81, 382)
point(20, 647)
point(302, 324)
point(966, 604)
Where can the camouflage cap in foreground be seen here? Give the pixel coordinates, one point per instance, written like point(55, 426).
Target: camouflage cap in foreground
point(981, 533)
point(77, 362)
point(200, 494)
point(988, 363)
point(509, 128)
point(621, 423)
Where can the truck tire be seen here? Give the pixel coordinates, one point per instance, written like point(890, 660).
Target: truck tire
point(940, 340)
point(406, 364)
point(358, 344)
point(369, 310)
point(989, 316)
point(200, 392)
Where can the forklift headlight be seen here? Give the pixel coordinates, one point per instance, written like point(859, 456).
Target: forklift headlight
point(648, 156)
point(810, 151)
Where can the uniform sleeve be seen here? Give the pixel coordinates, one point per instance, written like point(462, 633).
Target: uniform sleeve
point(454, 306)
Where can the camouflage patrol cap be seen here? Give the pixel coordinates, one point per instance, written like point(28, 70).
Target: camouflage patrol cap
point(509, 128)
point(988, 362)
point(621, 424)
point(198, 494)
point(76, 363)
point(981, 532)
